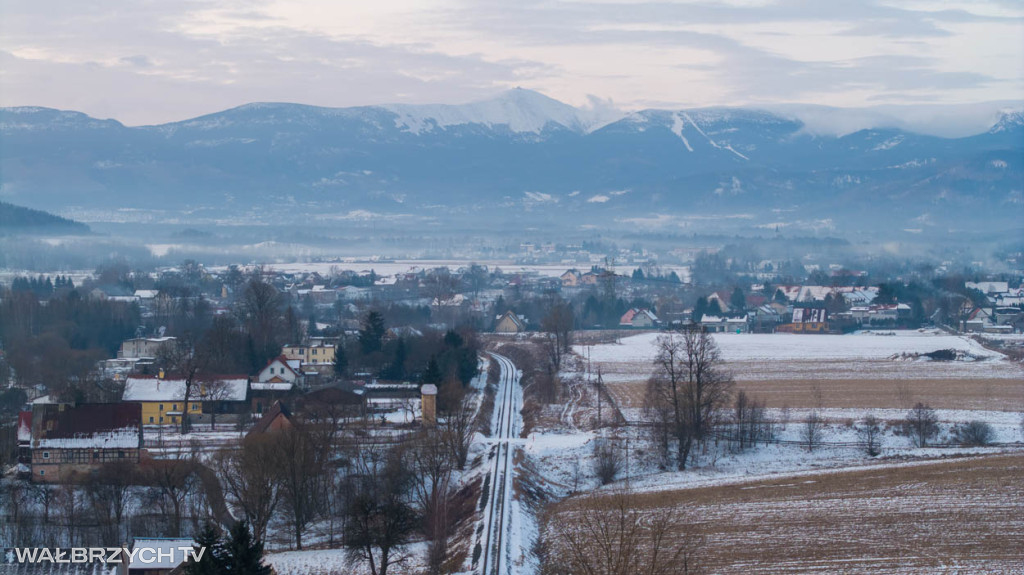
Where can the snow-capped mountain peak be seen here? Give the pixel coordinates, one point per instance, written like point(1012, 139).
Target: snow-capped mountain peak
point(1008, 119)
point(520, 110)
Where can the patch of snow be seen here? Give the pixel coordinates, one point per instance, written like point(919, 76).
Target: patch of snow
point(889, 144)
point(712, 141)
point(677, 129)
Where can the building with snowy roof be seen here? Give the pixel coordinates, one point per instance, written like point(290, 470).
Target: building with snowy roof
point(163, 399)
point(70, 440)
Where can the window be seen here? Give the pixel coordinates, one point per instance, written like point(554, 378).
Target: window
point(314, 351)
point(42, 472)
point(174, 407)
point(195, 406)
point(161, 407)
point(95, 455)
point(120, 454)
point(46, 455)
point(161, 419)
point(271, 371)
point(151, 419)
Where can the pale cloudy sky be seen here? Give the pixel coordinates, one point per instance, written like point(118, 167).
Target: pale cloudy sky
point(151, 61)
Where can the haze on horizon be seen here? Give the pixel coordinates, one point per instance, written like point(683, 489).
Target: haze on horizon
point(146, 63)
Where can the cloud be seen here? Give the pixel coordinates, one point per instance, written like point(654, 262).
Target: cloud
point(159, 61)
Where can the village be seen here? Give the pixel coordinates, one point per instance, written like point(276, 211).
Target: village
point(149, 419)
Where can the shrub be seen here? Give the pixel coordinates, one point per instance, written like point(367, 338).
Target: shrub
point(975, 433)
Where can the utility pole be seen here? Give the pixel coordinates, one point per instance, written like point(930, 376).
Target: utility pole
point(599, 396)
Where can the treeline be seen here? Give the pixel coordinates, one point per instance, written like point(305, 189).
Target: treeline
point(58, 342)
point(42, 287)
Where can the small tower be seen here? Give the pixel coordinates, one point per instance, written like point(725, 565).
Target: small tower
point(428, 404)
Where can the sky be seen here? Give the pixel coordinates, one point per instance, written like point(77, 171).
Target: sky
point(154, 61)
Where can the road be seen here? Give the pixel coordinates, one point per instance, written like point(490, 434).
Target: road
point(497, 542)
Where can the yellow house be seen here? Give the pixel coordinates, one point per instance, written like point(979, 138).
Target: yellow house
point(509, 322)
point(163, 400)
point(314, 354)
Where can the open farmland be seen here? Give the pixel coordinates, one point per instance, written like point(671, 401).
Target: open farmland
point(951, 516)
point(869, 370)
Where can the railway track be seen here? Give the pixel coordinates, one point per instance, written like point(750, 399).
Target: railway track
point(496, 541)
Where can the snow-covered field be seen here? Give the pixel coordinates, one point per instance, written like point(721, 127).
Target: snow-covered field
point(878, 356)
point(867, 345)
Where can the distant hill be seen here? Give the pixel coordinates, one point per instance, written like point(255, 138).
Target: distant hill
point(16, 219)
point(531, 159)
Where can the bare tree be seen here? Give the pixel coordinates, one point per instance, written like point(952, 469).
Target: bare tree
point(870, 434)
point(616, 536)
point(300, 462)
point(259, 310)
point(922, 424)
point(812, 430)
point(15, 506)
point(456, 425)
point(251, 480)
point(379, 517)
point(71, 507)
point(608, 460)
point(558, 324)
point(183, 361)
point(108, 494)
point(172, 482)
point(689, 384)
point(214, 392)
point(750, 422)
point(433, 463)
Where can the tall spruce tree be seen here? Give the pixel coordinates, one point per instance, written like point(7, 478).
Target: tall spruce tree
point(212, 561)
point(340, 360)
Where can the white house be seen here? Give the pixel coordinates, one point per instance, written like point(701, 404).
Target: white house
point(280, 370)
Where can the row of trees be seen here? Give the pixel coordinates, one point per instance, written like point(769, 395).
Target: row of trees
point(371, 496)
point(166, 498)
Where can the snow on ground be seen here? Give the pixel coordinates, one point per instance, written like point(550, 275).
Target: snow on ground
point(332, 561)
point(877, 355)
point(566, 459)
point(782, 346)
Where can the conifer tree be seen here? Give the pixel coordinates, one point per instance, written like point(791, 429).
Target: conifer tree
point(212, 561)
point(243, 555)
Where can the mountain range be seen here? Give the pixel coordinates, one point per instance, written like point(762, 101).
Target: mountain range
point(523, 156)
